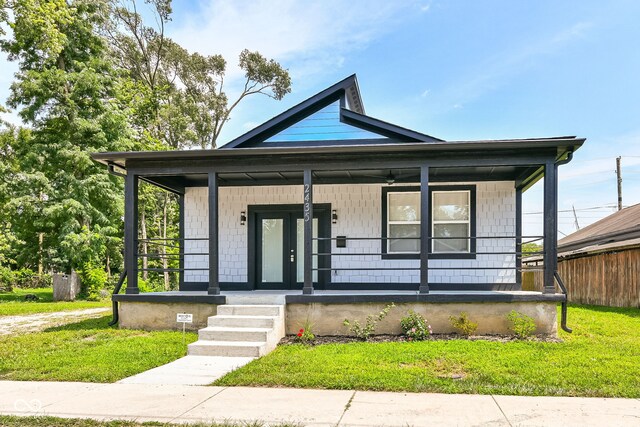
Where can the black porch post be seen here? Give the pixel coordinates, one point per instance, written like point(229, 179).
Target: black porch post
point(519, 238)
point(425, 229)
point(181, 242)
point(308, 232)
point(131, 232)
point(550, 225)
point(214, 282)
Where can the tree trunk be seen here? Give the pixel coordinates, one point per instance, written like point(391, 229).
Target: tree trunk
point(108, 266)
point(145, 260)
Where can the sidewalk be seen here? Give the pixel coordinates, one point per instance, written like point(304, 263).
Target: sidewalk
point(179, 403)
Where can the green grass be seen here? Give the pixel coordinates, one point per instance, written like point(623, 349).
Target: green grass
point(601, 358)
point(89, 350)
point(13, 303)
point(43, 421)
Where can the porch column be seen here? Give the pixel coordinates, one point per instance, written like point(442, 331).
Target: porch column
point(519, 238)
point(550, 225)
point(214, 282)
point(308, 232)
point(425, 230)
point(181, 242)
point(131, 232)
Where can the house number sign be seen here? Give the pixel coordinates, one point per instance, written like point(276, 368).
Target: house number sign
point(307, 202)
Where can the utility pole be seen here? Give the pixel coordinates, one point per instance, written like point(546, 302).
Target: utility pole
point(575, 218)
point(619, 175)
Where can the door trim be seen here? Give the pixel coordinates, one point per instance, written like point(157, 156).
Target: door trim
point(322, 211)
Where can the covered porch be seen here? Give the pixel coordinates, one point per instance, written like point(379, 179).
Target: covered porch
point(313, 176)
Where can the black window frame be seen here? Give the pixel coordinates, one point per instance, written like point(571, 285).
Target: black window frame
point(440, 255)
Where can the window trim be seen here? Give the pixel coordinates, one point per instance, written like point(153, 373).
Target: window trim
point(439, 255)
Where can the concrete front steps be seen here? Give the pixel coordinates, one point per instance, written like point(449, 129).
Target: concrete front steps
point(241, 331)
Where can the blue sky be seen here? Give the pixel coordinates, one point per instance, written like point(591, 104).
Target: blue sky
point(455, 70)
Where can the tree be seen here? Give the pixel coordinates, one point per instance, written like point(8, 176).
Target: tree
point(184, 99)
point(65, 90)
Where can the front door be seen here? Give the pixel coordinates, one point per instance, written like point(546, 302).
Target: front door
point(279, 247)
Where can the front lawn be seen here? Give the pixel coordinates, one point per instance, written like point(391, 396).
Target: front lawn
point(89, 350)
point(13, 303)
point(600, 358)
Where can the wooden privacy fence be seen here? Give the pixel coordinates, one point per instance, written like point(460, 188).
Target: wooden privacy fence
point(609, 278)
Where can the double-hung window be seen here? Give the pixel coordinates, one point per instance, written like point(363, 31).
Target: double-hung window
point(451, 218)
point(452, 222)
point(403, 212)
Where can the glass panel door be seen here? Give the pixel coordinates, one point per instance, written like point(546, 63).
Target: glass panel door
point(272, 250)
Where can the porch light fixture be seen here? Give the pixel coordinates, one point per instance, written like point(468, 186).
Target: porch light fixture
point(334, 217)
point(243, 218)
point(391, 178)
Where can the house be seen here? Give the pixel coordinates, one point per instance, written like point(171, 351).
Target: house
point(338, 213)
point(600, 263)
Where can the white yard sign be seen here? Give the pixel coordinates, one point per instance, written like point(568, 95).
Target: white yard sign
point(184, 318)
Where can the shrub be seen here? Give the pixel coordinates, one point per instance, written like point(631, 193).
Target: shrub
point(415, 327)
point(364, 332)
point(463, 324)
point(26, 278)
point(521, 324)
point(93, 279)
point(7, 279)
point(305, 334)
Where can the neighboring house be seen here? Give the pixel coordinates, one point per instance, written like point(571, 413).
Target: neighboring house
point(328, 205)
point(600, 263)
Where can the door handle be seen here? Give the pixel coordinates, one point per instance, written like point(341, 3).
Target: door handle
point(293, 256)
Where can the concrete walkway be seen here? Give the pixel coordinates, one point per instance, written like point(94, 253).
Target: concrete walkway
point(189, 370)
point(177, 403)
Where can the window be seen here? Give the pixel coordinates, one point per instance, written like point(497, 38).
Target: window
point(452, 218)
point(404, 222)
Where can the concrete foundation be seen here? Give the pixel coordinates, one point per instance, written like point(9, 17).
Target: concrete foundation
point(326, 319)
point(155, 316)
point(491, 317)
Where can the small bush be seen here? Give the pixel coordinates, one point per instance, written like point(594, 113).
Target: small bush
point(305, 334)
point(463, 324)
point(93, 279)
point(7, 279)
point(26, 278)
point(415, 327)
point(364, 332)
point(521, 324)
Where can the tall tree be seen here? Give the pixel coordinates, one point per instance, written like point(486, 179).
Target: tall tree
point(65, 89)
point(185, 99)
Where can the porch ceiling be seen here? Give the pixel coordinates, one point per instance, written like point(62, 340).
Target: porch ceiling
point(357, 176)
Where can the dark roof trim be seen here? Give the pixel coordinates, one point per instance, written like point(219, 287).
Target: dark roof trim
point(382, 127)
point(347, 87)
point(438, 146)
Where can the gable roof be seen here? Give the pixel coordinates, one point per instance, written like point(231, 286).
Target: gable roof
point(351, 112)
point(620, 227)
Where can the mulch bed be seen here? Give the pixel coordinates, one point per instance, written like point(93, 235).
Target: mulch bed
point(341, 339)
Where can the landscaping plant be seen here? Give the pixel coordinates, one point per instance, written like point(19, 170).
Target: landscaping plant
point(364, 332)
point(463, 324)
point(305, 335)
point(521, 324)
point(93, 279)
point(415, 327)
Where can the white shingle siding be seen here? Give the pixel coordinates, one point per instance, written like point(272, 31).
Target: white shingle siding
point(359, 215)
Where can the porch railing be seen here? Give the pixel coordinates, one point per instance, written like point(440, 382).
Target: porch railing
point(176, 249)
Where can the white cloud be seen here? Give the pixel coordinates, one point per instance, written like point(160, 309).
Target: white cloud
point(425, 93)
point(309, 37)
